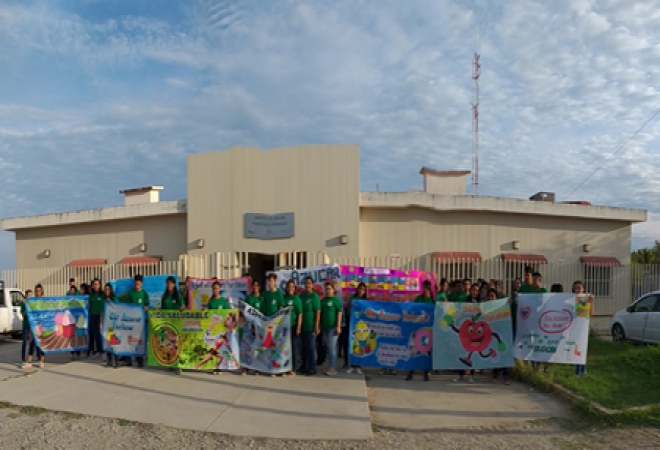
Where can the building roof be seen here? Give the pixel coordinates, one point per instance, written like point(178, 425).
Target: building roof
point(141, 189)
point(429, 171)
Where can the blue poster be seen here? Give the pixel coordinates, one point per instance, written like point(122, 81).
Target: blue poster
point(124, 329)
point(391, 335)
point(154, 285)
point(473, 335)
point(59, 324)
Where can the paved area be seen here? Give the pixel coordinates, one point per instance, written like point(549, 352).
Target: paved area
point(295, 408)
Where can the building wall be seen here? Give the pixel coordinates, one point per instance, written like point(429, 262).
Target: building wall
point(417, 231)
point(320, 183)
point(114, 240)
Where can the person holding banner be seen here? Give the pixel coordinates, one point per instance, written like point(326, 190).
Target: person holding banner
point(109, 296)
point(493, 295)
point(273, 298)
point(292, 301)
point(360, 294)
point(443, 290)
point(38, 292)
point(96, 302)
point(578, 289)
point(255, 299)
point(425, 297)
point(138, 297)
point(217, 301)
point(26, 326)
point(172, 299)
point(311, 312)
point(457, 295)
point(331, 311)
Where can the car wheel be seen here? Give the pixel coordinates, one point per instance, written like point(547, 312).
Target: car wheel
point(618, 335)
point(17, 335)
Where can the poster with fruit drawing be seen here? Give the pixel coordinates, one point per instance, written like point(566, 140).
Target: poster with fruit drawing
point(553, 327)
point(265, 341)
point(391, 335)
point(124, 329)
point(473, 335)
point(59, 324)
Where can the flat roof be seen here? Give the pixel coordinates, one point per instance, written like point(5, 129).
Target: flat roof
point(141, 189)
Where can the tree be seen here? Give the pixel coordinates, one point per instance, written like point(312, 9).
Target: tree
point(646, 255)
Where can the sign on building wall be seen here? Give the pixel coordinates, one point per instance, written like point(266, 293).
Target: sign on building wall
point(264, 226)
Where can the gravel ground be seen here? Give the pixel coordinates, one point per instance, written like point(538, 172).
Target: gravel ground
point(33, 428)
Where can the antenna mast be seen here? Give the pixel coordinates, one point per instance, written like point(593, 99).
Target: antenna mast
point(476, 71)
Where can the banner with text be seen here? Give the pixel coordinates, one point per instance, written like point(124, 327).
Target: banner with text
point(384, 284)
point(553, 327)
point(473, 335)
point(320, 275)
point(59, 324)
point(193, 339)
point(153, 285)
point(200, 291)
point(124, 329)
point(391, 335)
point(266, 341)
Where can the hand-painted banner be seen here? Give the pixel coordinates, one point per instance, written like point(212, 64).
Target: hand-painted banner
point(124, 329)
point(391, 335)
point(59, 324)
point(553, 327)
point(154, 285)
point(320, 275)
point(193, 339)
point(473, 335)
point(266, 341)
point(383, 284)
point(200, 291)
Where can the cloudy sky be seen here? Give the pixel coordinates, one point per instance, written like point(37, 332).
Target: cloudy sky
point(98, 96)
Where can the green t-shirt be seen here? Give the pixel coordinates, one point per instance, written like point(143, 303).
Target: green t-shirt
point(441, 297)
point(451, 297)
point(169, 302)
point(135, 297)
point(421, 299)
point(296, 308)
point(69, 293)
point(330, 306)
point(96, 302)
point(254, 301)
point(271, 302)
point(310, 304)
point(218, 303)
point(24, 314)
point(526, 289)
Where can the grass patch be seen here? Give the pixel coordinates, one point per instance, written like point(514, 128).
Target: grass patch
point(126, 423)
point(70, 415)
point(33, 410)
point(6, 405)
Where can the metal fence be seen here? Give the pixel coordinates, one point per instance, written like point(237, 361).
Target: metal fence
point(613, 287)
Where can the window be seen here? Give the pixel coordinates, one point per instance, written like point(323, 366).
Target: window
point(456, 271)
point(2, 299)
point(646, 304)
point(598, 280)
point(17, 298)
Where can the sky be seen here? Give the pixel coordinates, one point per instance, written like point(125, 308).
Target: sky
point(99, 96)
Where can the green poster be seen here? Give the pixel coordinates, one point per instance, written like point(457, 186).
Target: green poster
point(194, 340)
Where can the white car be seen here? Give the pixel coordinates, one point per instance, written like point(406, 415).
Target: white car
point(639, 322)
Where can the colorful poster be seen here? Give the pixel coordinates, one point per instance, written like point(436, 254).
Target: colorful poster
point(553, 327)
point(473, 335)
point(59, 324)
point(193, 339)
point(386, 285)
point(266, 342)
point(154, 285)
point(391, 335)
point(320, 275)
point(124, 329)
point(201, 289)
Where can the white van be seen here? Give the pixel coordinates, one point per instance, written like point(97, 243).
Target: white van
point(10, 310)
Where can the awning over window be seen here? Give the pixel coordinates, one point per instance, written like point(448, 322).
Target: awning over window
point(600, 261)
point(140, 260)
point(524, 258)
point(449, 257)
point(91, 262)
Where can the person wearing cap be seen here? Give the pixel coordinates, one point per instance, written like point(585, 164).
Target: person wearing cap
point(172, 298)
point(273, 297)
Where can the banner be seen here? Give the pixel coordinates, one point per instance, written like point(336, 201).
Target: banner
point(59, 324)
point(266, 341)
point(320, 274)
point(124, 329)
point(200, 291)
point(197, 340)
point(153, 285)
point(386, 285)
point(553, 327)
point(391, 335)
point(473, 335)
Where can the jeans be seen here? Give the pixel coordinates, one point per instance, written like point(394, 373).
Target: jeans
point(296, 361)
point(503, 370)
point(95, 334)
point(309, 351)
point(26, 336)
point(321, 351)
point(343, 344)
point(330, 337)
point(33, 345)
point(580, 369)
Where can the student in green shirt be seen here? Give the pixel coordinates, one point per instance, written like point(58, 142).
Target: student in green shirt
point(457, 295)
point(311, 312)
point(536, 284)
point(72, 284)
point(217, 301)
point(26, 326)
point(96, 303)
point(360, 294)
point(172, 298)
point(331, 311)
point(38, 292)
point(138, 297)
point(527, 286)
point(425, 297)
point(291, 300)
point(273, 297)
point(255, 299)
point(443, 290)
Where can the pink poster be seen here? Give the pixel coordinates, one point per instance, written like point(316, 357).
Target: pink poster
point(389, 285)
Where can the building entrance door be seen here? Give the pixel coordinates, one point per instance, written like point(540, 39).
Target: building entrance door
point(260, 264)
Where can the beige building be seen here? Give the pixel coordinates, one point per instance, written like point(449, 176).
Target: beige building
point(305, 201)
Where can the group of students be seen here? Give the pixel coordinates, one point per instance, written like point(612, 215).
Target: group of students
point(319, 327)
